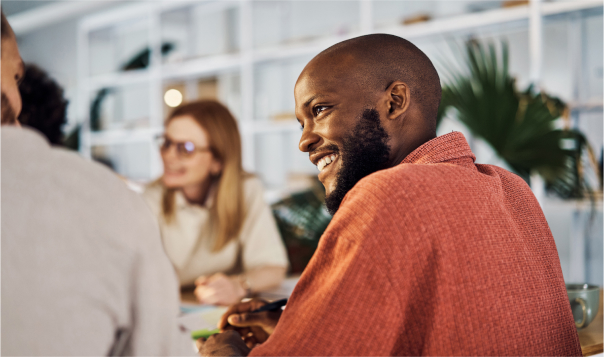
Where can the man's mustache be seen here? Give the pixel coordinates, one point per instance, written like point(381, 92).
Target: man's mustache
point(328, 148)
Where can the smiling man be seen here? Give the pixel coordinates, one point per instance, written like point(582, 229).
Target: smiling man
point(428, 253)
point(341, 99)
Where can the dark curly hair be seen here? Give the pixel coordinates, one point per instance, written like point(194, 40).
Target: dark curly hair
point(44, 107)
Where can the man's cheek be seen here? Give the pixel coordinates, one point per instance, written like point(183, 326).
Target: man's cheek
point(8, 116)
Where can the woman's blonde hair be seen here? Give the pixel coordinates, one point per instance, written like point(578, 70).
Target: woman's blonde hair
point(227, 213)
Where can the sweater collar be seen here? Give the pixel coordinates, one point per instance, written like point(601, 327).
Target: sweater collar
point(182, 203)
point(449, 148)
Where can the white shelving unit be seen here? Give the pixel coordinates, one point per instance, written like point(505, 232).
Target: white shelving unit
point(246, 61)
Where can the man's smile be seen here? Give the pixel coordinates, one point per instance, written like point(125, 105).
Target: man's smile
point(328, 169)
point(326, 160)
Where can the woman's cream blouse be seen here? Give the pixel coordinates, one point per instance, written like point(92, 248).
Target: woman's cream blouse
point(188, 239)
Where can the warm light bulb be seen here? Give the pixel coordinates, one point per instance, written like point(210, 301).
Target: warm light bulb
point(173, 98)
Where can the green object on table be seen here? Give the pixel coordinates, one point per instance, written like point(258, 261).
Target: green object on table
point(205, 333)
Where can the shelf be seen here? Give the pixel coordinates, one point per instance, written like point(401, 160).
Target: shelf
point(124, 136)
point(296, 49)
point(135, 10)
point(267, 126)
point(120, 14)
point(554, 8)
point(429, 28)
point(172, 71)
point(485, 18)
point(461, 22)
point(119, 79)
point(207, 6)
point(201, 66)
point(246, 61)
point(214, 64)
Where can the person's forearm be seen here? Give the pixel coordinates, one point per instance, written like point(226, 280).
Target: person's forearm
point(262, 278)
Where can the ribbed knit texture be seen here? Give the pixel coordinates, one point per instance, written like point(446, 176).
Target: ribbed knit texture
point(436, 256)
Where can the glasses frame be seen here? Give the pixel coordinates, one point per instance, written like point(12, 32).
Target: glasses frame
point(184, 149)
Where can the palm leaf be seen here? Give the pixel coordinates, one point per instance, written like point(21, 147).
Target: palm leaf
point(519, 126)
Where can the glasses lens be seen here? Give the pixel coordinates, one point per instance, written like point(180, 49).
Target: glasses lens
point(164, 143)
point(189, 147)
point(185, 149)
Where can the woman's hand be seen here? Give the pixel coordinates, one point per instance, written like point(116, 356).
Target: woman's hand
point(218, 289)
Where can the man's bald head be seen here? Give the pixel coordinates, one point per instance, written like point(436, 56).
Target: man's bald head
point(364, 105)
point(375, 61)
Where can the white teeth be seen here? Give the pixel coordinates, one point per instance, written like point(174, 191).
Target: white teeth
point(326, 160)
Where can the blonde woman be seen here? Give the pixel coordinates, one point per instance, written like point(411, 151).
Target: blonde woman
point(216, 228)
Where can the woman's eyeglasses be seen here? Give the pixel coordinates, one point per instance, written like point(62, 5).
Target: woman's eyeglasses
point(183, 148)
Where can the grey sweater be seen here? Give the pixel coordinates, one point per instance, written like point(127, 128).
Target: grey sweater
point(83, 268)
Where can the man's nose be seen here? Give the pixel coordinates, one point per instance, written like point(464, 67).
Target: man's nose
point(308, 139)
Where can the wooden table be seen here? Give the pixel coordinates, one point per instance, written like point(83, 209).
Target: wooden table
point(281, 292)
point(591, 337)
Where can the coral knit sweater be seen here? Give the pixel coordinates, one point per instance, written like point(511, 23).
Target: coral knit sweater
point(435, 256)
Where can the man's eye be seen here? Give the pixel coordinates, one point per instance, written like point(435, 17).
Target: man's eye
point(318, 109)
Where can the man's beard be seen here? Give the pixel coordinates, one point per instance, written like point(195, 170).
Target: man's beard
point(363, 152)
point(7, 112)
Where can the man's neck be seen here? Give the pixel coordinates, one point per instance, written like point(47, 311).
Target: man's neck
point(407, 147)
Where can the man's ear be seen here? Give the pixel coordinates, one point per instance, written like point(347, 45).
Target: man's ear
point(398, 97)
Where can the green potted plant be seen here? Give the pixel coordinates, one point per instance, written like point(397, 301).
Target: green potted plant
point(518, 125)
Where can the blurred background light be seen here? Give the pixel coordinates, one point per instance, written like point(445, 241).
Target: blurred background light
point(173, 98)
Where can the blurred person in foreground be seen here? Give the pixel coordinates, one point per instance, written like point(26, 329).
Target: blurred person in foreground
point(216, 228)
point(44, 106)
point(83, 269)
point(428, 253)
